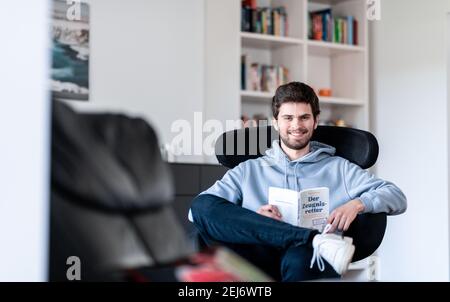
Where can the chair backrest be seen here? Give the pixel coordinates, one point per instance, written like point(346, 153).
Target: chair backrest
point(358, 146)
point(110, 196)
point(236, 146)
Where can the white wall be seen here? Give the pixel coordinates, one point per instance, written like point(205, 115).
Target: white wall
point(410, 116)
point(24, 136)
point(222, 69)
point(147, 59)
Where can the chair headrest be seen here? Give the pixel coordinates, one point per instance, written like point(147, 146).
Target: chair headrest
point(358, 146)
point(107, 161)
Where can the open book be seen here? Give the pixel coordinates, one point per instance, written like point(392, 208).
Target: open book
point(307, 208)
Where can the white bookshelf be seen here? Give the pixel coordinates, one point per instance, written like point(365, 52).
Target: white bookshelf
point(341, 67)
point(262, 41)
point(266, 97)
point(322, 48)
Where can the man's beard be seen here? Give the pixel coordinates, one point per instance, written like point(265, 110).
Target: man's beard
point(296, 144)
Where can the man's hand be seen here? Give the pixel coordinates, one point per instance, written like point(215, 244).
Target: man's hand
point(343, 216)
point(269, 211)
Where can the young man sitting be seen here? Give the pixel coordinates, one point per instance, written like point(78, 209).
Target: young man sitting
point(235, 210)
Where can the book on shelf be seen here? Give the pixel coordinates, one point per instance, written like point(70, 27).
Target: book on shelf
point(269, 78)
point(323, 26)
point(250, 3)
point(243, 72)
point(255, 77)
point(261, 77)
point(350, 38)
point(263, 20)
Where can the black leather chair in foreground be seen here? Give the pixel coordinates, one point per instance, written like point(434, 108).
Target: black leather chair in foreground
point(110, 197)
point(358, 146)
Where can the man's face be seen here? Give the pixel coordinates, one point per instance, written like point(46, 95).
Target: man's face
point(296, 124)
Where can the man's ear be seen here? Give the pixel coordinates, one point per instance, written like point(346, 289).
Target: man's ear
point(316, 122)
point(275, 124)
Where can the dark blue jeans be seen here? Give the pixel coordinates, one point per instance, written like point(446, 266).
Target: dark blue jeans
point(281, 250)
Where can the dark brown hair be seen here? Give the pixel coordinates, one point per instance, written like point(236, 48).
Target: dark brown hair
point(296, 92)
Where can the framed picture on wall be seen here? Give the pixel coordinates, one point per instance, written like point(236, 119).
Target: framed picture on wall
point(70, 50)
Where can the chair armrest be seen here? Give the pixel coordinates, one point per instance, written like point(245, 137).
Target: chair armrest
point(367, 231)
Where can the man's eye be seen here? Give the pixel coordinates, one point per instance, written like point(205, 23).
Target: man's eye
point(288, 118)
point(305, 118)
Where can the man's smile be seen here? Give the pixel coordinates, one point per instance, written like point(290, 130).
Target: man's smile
point(298, 133)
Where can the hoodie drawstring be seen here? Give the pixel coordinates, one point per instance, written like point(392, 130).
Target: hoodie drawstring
point(285, 175)
point(295, 176)
point(318, 151)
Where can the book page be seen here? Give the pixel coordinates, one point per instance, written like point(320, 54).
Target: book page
point(314, 208)
point(287, 203)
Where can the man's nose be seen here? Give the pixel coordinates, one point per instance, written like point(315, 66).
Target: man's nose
point(296, 122)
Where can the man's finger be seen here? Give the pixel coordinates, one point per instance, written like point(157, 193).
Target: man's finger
point(335, 223)
point(347, 224)
point(331, 218)
point(266, 207)
point(269, 214)
point(272, 215)
point(276, 211)
point(333, 227)
point(342, 223)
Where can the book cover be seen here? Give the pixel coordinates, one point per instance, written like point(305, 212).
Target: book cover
point(313, 208)
point(308, 208)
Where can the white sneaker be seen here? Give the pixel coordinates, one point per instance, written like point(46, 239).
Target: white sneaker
point(336, 250)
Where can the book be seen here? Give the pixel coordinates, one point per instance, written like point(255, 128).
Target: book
point(214, 264)
point(219, 264)
point(320, 25)
point(254, 76)
point(350, 30)
point(271, 81)
point(243, 72)
point(308, 208)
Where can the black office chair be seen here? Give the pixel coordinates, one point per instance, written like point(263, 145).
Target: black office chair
point(111, 197)
point(358, 146)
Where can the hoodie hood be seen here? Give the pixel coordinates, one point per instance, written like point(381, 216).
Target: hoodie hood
point(318, 151)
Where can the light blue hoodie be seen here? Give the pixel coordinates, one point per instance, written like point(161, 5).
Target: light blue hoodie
point(248, 183)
